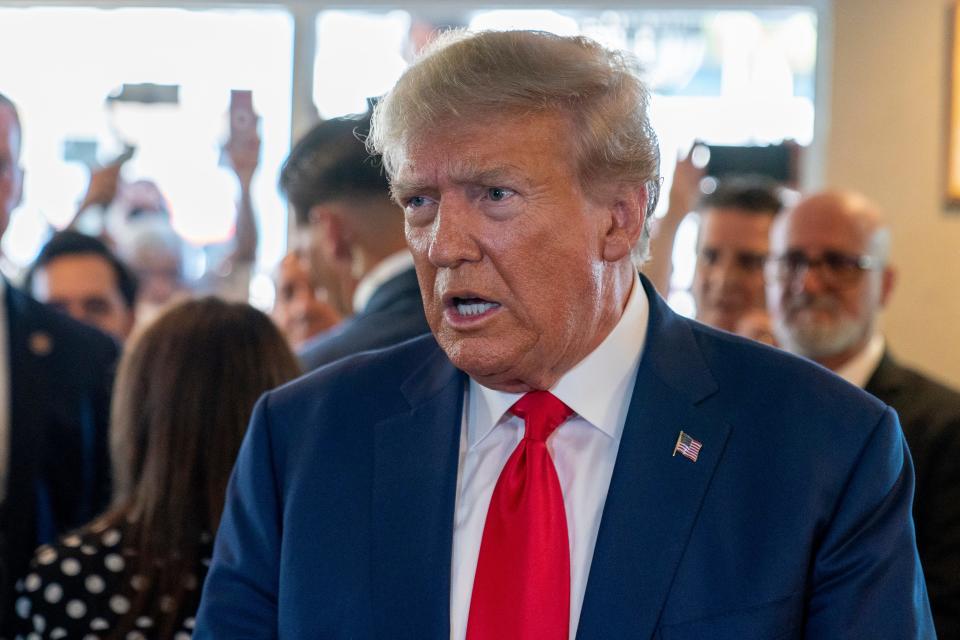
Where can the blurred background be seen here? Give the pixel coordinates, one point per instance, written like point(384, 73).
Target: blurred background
point(860, 85)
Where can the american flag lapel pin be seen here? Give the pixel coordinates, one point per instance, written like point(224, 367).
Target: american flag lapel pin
point(687, 447)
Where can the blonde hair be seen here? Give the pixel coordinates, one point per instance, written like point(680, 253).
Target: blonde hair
point(462, 77)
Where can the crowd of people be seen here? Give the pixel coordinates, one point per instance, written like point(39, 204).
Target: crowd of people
point(498, 402)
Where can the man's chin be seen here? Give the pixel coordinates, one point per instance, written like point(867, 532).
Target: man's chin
point(490, 362)
point(817, 340)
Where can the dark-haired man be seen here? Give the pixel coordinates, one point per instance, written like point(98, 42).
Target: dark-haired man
point(79, 275)
point(732, 244)
point(341, 199)
point(55, 379)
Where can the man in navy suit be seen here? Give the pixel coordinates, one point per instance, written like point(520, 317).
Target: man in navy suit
point(565, 457)
point(55, 378)
point(341, 199)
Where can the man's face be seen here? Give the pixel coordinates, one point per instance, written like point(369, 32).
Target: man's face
point(85, 287)
point(824, 313)
point(297, 310)
point(11, 175)
point(728, 279)
point(509, 251)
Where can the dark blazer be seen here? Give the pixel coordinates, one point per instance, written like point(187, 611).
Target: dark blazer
point(394, 314)
point(794, 522)
point(930, 415)
point(59, 473)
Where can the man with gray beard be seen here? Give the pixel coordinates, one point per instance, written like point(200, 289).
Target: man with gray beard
point(828, 279)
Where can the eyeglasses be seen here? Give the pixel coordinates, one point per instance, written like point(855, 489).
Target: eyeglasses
point(832, 267)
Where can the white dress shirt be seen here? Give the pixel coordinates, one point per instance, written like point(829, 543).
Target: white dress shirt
point(584, 450)
point(392, 265)
point(861, 367)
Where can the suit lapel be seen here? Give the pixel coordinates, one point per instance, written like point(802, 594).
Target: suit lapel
point(416, 454)
point(654, 496)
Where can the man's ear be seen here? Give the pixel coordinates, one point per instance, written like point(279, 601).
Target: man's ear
point(628, 212)
point(332, 234)
point(889, 280)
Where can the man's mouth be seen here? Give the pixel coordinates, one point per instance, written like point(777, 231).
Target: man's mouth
point(468, 309)
point(473, 306)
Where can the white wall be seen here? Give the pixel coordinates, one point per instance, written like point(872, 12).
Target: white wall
point(886, 138)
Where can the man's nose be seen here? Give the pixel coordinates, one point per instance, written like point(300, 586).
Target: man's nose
point(453, 235)
point(808, 280)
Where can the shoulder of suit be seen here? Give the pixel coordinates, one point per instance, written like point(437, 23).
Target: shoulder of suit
point(65, 338)
point(384, 370)
point(753, 377)
point(927, 407)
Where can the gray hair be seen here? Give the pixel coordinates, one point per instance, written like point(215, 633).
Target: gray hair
point(461, 77)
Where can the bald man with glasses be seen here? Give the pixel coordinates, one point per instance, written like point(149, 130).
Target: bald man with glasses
point(828, 278)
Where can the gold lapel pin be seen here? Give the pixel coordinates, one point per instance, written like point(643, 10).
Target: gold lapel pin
point(41, 344)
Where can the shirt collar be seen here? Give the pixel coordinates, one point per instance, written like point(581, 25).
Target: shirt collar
point(386, 269)
point(859, 369)
point(594, 388)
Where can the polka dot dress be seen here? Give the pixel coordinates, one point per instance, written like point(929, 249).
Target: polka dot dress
point(76, 590)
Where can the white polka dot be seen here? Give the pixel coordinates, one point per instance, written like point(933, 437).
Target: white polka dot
point(58, 633)
point(99, 624)
point(76, 609)
point(190, 581)
point(138, 582)
point(205, 562)
point(33, 635)
point(72, 541)
point(111, 538)
point(46, 555)
point(189, 622)
point(136, 635)
point(88, 550)
point(144, 622)
point(90, 636)
point(119, 604)
point(53, 593)
point(33, 582)
point(23, 607)
point(94, 584)
point(70, 566)
point(114, 562)
point(182, 635)
point(39, 623)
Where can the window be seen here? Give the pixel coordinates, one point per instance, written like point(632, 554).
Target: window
point(78, 56)
point(727, 77)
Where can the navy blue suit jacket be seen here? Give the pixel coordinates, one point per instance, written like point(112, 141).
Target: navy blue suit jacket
point(61, 374)
point(794, 522)
point(393, 314)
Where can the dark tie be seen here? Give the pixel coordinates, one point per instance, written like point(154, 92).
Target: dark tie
point(522, 587)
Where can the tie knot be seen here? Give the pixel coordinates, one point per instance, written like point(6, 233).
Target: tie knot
point(542, 412)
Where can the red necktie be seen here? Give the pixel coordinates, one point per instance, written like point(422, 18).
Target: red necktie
point(522, 587)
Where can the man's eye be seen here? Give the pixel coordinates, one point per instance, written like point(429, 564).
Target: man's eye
point(498, 194)
point(418, 201)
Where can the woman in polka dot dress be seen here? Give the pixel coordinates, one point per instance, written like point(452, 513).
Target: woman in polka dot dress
point(184, 393)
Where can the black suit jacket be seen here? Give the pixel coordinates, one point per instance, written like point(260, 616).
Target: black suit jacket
point(930, 417)
point(394, 314)
point(61, 374)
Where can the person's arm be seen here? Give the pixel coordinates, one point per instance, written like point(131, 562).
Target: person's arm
point(684, 194)
point(240, 592)
point(101, 191)
point(244, 156)
point(867, 580)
